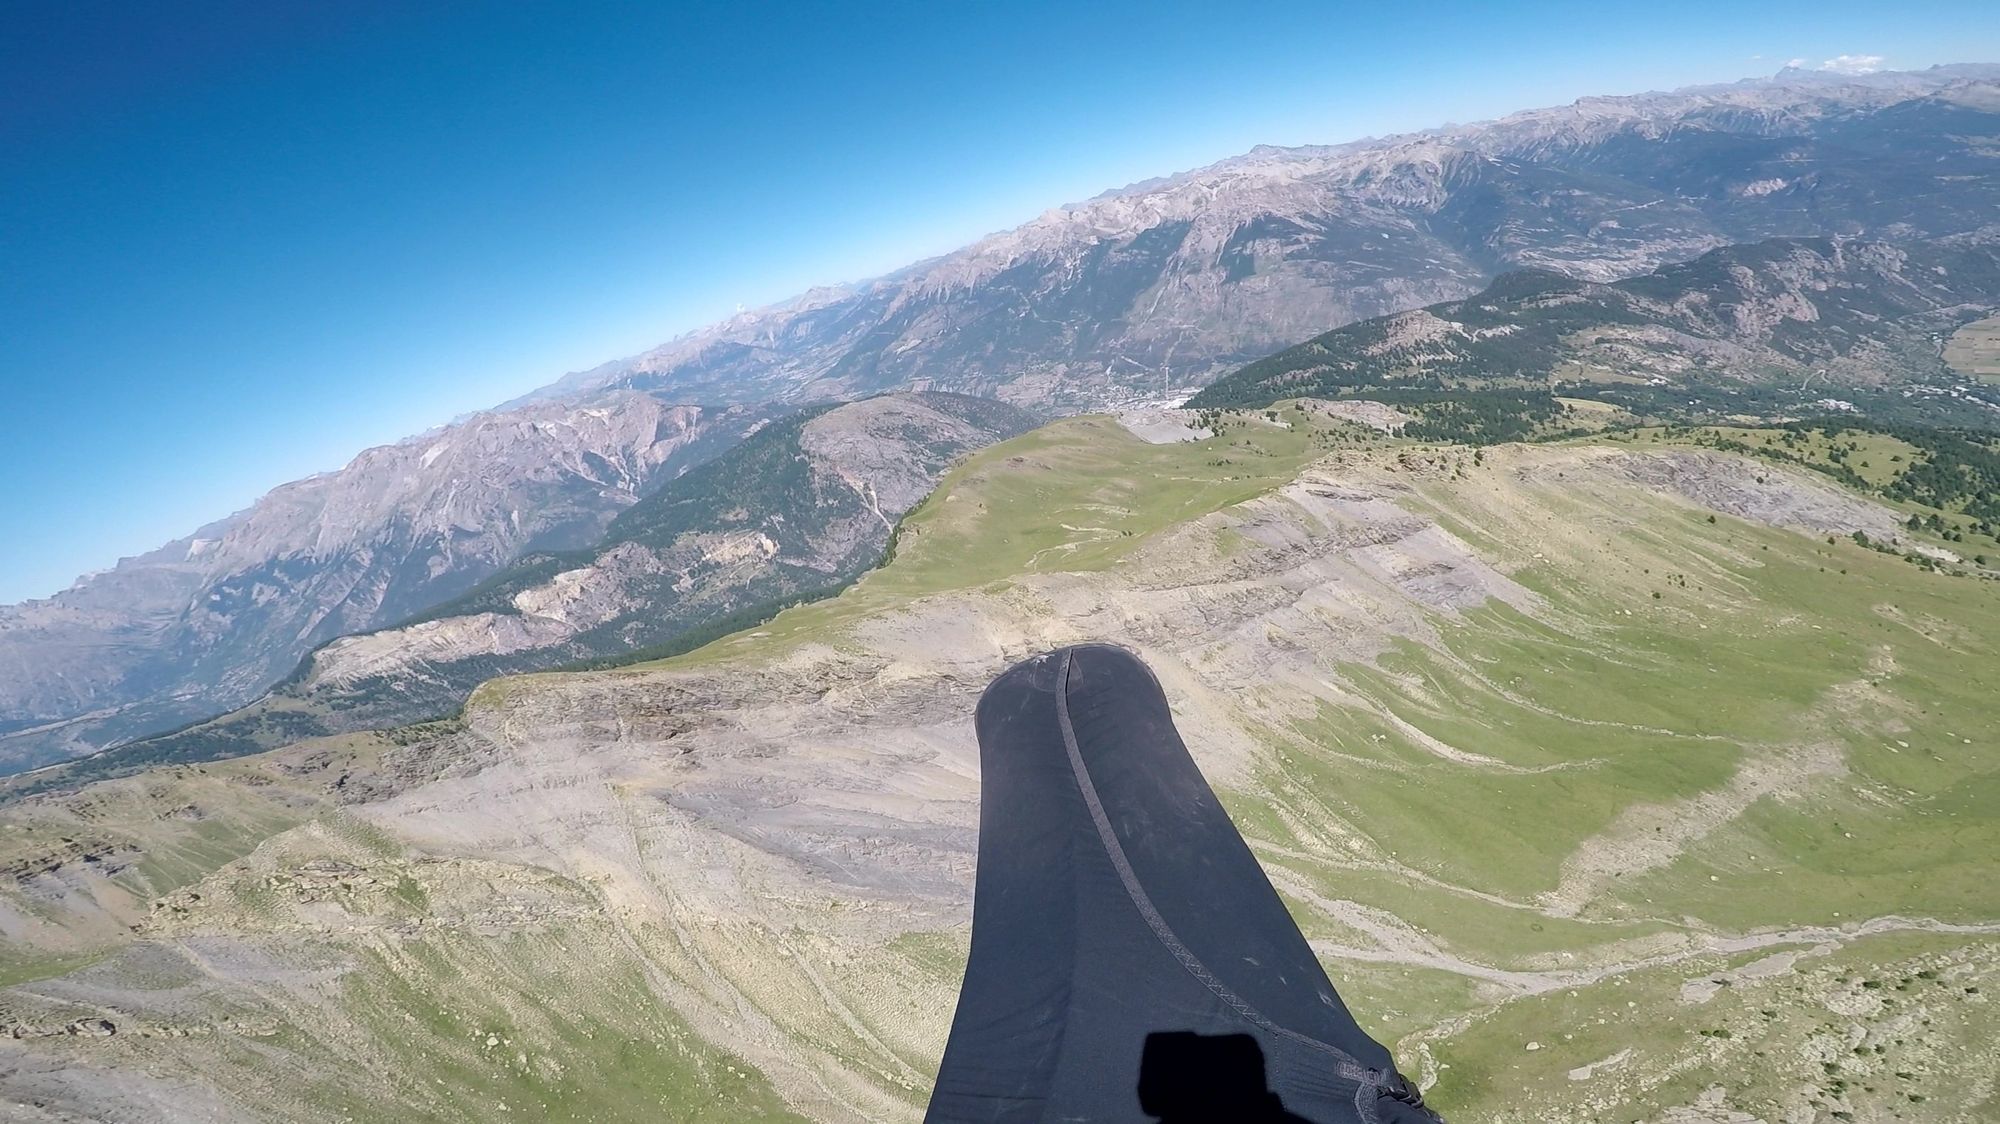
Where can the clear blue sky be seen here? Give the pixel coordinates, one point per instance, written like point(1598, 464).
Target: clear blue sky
point(240, 241)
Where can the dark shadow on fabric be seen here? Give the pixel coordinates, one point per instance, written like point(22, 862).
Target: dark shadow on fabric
point(1189, 1078)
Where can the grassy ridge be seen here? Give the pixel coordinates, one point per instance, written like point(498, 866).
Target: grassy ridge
point(1075, 495)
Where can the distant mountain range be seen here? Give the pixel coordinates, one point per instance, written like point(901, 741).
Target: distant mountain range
point(1141, 294)
point(1152, 291)
point(1842, 315)
point(796, 510)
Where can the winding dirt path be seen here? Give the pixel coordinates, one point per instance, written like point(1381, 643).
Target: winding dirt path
point(1419, 951)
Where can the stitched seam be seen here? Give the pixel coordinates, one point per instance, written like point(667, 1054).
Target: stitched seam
point(1344, 1063)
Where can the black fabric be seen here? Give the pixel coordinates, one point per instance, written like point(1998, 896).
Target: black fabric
point(1128, 955)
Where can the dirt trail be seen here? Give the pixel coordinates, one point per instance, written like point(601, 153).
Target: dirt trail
point(1647, 837)
point(1418, 951)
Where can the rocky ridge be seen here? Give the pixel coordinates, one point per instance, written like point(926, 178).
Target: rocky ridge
point(864, 465)
point(211, 620)
point(791, 512)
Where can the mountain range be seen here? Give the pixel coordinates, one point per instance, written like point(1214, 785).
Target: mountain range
point(1150, 291)
point(1141, 294)
point(211, 620)
point(792, 512)
point(1594, 651)
point(1849, 316)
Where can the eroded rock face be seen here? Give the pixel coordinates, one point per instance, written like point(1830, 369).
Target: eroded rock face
point(851, 761)
point(207, 622)
point(1726, 484)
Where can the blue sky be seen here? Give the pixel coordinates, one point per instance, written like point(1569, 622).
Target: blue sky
point(241, 241)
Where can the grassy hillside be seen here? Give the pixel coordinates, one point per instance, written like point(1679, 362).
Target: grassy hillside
point(1975, 350)
point(1599, 803)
